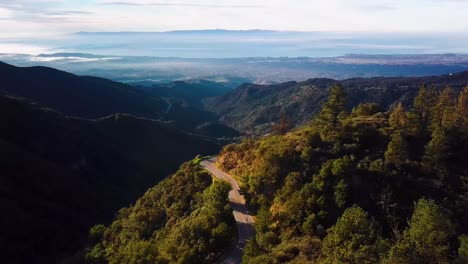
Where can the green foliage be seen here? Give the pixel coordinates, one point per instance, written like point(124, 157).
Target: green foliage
point(397, 150)
point(367, 109)
point(423, 109)
point(184, 219)
point(353, 239)
point(96, 233)
point(381, 161)
point(333, 112)
point(341, 194)
point(398, 121)
point(437, 150)
point(443, 113)
point(463, 249)
point(426, 240)
point(462, 109)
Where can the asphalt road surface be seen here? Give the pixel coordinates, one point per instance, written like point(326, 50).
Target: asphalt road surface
point(243, 219)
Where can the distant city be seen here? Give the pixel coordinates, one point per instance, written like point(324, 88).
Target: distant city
point(148, 70)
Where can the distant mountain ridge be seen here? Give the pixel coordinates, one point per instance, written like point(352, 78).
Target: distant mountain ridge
point(201, 31)
point(94, 97)
point(82, 96)
point(257, 107)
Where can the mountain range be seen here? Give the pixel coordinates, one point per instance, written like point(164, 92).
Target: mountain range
point(75, 149)
point(253, 107)
point(93, 97)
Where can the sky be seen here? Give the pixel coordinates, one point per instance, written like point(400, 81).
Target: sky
point(29, 19)
point(42, 17)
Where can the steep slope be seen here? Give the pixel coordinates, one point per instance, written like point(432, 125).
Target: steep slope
point(251, 105)
point(186, 218)
point(190, 92)
point(83, 96)
point(93, 97)
point(185, 105)
point(60, 175)
point(366, 186)
point(216, 130)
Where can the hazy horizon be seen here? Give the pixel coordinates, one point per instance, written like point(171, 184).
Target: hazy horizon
point(238, 44)
point(300, 28)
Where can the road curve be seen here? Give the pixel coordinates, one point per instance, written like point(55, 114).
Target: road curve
point(243, 219)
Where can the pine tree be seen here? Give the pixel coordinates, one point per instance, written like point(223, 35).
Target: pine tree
point(333, 113)
point(426, 240)
point(397, 150)
point(437, 150)
point(353, 239)
point(443, 112)
point(421, 112)
point(462, 110)
point(398, 120)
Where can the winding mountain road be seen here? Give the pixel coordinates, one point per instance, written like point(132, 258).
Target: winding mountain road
point(243, 219)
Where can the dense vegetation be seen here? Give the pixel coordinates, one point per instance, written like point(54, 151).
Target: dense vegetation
point(361, 186)
point(365, 186)
point(184, 219)
point(253, 108)
point(60, 175)
point(190, 92)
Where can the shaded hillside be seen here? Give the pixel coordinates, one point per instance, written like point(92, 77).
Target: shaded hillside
point(93, 97)
point(60, 175)
point(252, 105)
point(185, 105)
point(83, 96)
point(190, 92)
point(216, 130)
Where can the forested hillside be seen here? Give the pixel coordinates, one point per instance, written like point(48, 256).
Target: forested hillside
point(361, 186)
point(191, 92)
point(254, 108)
point(93, 97)
point(81, 96)
point(60, 175)
point(184, 219)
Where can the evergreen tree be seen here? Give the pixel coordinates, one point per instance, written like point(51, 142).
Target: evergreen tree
point(443, 113)
point(397, 150)
point(333, 113)
point(426, 240)
point(422, 110)
point(437, 150)
point(398, 120)
point(353, 239)
point(462, 110)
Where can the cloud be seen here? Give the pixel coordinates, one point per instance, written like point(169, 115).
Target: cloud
point(18, 48)
point(378, 7)
point(152, 3)
point(64, 12)
point(70, 59)
point(38, 11)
